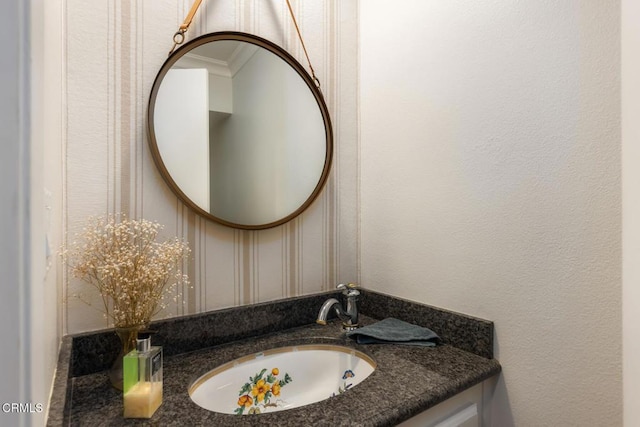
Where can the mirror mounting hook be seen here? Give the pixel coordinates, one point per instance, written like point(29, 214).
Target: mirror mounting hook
point(178, 38)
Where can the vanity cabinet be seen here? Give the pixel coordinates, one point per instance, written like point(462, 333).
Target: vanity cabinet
point(466, 409)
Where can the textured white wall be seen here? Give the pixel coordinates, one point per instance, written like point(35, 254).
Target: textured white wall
point(630, 33)
point(46, 195)
point(30, 181)
point(490, 185)
point(113, 52)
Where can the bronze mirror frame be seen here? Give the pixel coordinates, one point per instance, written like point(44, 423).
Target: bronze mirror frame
point(285, 56)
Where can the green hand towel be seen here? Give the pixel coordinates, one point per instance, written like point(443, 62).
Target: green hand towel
point(395, 331)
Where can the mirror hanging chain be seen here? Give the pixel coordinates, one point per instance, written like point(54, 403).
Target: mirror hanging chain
point(178, 37)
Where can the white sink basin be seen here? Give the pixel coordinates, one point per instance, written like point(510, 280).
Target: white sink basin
point(280, 379)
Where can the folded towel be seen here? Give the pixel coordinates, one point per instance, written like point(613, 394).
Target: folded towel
point(394, 331)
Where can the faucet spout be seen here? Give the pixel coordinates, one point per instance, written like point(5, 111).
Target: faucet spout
point(326, 308)
point(349, 316)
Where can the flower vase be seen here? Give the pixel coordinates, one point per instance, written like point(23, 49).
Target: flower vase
point(128, 336)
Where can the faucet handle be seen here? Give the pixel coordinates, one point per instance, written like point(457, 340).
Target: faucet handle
point(350, 289)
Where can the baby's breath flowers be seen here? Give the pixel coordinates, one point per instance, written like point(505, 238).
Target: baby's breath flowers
point(133, 272)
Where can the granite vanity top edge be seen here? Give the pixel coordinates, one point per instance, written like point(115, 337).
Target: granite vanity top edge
point(420, 402)
point(407, 381)
point(60, 401)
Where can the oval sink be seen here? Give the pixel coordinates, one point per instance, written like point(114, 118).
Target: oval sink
point(281, 378)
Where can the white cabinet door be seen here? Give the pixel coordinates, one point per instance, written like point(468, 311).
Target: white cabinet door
point(461, 410)
point(465, 417)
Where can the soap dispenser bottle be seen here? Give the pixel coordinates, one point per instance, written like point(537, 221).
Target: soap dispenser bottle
point(142, 379)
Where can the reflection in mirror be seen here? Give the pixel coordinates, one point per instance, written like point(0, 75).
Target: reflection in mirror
point(242, 134)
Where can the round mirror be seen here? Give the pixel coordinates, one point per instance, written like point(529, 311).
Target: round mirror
point(239, 130)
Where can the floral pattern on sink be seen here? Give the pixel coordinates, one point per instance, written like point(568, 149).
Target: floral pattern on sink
point(262, 391)
point(347, 374)
point(280, 379)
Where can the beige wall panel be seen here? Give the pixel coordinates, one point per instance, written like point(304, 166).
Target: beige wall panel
point(312, 243)
point(346, 165)
point(87, 140)
point(219, 278)
point(114, 54)
point(271, 276)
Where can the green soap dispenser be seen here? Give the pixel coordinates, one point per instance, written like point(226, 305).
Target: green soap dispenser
point(142, 379)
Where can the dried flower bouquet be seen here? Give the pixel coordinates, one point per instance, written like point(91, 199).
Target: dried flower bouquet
point(133, 272)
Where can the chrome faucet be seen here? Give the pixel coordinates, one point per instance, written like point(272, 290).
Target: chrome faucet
point(349, 316)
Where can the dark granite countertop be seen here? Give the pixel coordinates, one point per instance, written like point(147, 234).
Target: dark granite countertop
point(407, 380)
